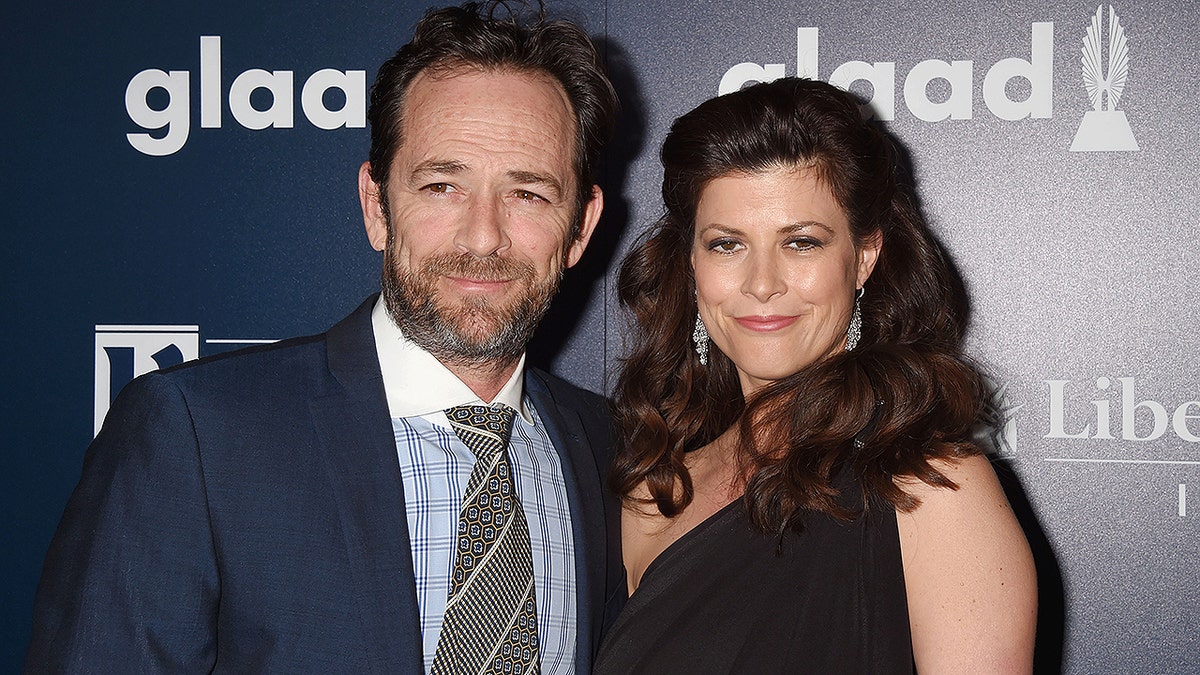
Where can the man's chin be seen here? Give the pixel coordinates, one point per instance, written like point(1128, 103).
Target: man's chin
point(476, 338)
point(468, 327)
point(467, 334)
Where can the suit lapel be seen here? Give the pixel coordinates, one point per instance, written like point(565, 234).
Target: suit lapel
point(354, 433)
point(588, 526)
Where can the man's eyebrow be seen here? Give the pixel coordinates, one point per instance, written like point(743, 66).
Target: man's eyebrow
point(534, 178)
point(435, 167)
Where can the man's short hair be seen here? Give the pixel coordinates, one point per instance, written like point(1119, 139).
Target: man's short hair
point(472, 35)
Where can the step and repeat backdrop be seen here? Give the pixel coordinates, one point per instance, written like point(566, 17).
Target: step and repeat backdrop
point(180, 181)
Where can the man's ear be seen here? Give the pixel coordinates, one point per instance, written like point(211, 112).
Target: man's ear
point(372, 208)
point(591, 216)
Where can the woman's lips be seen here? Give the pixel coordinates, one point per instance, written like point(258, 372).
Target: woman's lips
point(765, 324)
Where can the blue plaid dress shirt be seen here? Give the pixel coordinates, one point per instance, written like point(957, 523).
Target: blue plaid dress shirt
point(435, 467)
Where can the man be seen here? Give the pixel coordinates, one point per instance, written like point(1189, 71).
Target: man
point(345, 502)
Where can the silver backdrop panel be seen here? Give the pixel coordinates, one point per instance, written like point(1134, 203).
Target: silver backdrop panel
point(1080, 264)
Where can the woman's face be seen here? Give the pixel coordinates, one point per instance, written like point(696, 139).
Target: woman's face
point(776, 271)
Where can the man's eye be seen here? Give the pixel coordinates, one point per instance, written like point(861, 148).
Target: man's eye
point(439, 188)
point(526, 195)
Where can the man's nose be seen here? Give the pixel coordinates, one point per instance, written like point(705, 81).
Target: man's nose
point(483, 232)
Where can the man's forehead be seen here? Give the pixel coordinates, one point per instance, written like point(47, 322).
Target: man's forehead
point(467, 105)
point(459, 75)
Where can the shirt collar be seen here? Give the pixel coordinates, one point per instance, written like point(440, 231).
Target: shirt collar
point(418, 385)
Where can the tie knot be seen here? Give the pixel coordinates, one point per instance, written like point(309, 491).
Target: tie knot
point(494, 423)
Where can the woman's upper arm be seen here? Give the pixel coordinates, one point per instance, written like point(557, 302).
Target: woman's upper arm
point(969, 575)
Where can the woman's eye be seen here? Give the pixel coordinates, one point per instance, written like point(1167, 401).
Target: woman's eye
point(724, 245)
point(803, 243)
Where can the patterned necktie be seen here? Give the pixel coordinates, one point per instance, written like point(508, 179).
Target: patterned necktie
point(490, 625)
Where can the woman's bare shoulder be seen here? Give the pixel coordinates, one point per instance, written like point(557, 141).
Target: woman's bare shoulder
point(971, 584)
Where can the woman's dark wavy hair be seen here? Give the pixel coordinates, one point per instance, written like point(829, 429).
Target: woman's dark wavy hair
point(903, 397)
point(476, 35)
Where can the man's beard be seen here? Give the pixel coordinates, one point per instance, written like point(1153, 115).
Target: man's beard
point(478, 331)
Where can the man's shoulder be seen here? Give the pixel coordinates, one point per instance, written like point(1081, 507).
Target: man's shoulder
point(590, 409)
point(567, 393)
point(291, 360)
point(258, 381)
point(282, 359)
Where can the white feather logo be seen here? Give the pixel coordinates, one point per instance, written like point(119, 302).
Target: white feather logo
point(1104, 128)
point(1098, 86)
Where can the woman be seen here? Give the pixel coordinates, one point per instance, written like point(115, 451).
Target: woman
point(801, 489)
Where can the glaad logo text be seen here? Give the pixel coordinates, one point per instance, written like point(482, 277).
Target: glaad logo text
point(175, 115)
point(959, 75)
point(1105, 73)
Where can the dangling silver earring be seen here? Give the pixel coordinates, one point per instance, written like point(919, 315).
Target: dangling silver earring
point(700, 338)
point(854, 330)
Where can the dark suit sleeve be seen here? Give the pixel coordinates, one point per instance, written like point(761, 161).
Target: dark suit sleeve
point(130, 581)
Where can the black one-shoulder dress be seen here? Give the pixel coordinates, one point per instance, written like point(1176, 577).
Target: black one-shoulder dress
point(725, 598)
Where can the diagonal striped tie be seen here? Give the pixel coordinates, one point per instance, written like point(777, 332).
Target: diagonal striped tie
point(490, 625)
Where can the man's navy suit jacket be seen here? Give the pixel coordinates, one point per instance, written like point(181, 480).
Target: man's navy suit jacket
point(245, 513)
